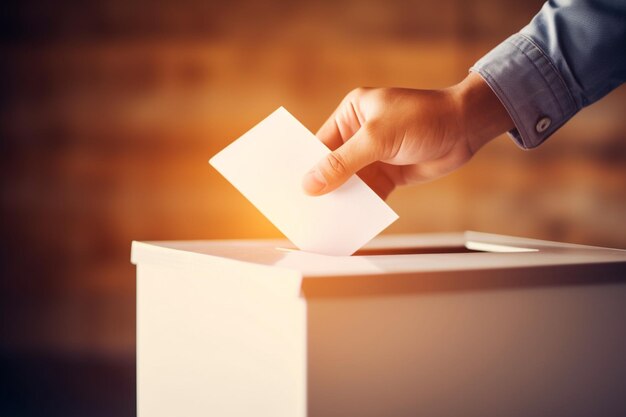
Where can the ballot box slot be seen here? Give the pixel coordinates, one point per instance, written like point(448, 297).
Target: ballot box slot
point(414, 250)
point(468, 247)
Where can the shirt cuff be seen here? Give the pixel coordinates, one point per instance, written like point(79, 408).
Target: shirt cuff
point(530, 88)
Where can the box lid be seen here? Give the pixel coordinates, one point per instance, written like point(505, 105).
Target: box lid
point(405, 263)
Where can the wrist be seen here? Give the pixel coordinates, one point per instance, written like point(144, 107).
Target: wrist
point(481, 115)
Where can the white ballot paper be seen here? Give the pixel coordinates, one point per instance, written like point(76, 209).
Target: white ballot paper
point(267, 165)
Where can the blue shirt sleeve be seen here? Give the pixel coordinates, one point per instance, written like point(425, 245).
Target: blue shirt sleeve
point(570, 55)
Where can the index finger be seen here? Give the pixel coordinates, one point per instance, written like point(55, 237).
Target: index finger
point(342, 124)
point(329, 133)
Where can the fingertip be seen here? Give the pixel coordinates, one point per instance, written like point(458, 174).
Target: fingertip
point(314, 182)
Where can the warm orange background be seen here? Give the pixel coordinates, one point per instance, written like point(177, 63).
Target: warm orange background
point(110, 112)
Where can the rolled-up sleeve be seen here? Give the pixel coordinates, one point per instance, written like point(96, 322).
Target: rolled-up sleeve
point(570, 55)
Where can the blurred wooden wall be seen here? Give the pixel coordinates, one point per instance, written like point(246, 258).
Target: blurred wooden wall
point(110, 112)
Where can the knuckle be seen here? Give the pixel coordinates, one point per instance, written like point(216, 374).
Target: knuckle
point(336, 164)
point(385, 94)
point(357, 92)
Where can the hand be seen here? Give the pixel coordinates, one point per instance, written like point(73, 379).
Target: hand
point(394, 136)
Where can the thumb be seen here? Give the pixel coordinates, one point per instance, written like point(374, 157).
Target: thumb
point(338, 166)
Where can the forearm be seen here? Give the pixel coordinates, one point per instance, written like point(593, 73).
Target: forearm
point(569, 56)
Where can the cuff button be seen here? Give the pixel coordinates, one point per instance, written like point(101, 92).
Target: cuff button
point(543, 124)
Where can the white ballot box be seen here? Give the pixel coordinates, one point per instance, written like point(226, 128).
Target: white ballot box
point(466, 324)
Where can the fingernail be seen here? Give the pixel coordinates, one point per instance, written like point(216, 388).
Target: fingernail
point(314, 182)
